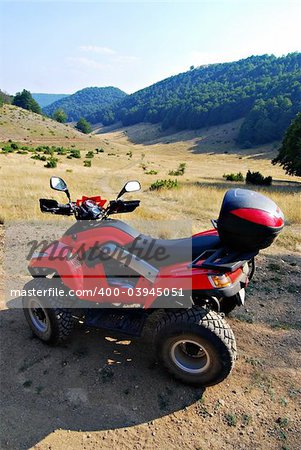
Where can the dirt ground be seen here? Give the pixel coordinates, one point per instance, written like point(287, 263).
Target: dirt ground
point(104, 391)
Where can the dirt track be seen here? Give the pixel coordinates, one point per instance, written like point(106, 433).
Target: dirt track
point(104, 391)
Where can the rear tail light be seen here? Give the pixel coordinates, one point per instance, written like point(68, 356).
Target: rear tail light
point(220, 281)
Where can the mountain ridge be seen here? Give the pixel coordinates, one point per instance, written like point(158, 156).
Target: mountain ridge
point(86, 101)
point(264, 90)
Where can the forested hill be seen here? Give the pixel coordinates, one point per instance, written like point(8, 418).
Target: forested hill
point(85, 102)
point(46, 99)
point(266, 90)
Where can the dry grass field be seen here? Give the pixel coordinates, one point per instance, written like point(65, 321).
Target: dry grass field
point(66, 398)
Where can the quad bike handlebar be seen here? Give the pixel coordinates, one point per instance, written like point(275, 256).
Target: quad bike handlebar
point(89, 208)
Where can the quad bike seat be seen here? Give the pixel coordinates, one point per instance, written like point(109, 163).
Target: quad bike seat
point(165, 252)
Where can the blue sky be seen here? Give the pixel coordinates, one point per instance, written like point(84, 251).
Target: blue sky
point(61, 47)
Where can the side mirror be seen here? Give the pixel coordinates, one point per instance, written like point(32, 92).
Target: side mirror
point(130, 186)
point(59, 184)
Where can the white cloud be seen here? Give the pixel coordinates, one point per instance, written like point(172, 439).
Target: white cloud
point(97, 49)
point(124, 59)
point(88, 63)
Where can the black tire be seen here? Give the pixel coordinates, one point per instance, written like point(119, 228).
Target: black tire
point(196, 346)
point(49, 322)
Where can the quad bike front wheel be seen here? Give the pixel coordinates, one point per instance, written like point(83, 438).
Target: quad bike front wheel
point(50, 323)
point(197, 346)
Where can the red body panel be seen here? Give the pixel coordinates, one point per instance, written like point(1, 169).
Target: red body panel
point(76, 275)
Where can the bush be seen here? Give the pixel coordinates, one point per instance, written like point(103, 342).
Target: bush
point(129, 154)
point(83, 126)
point(152, 172)
point(90, 155)
point(60, 116)
point(87, 163)
point(39, 157)
point(164, 184)
point(234, 176)
point(14, 146)
point(257, 178)
point(61, 151)
point(179, 171)
point(51, 163)
point(74, 154)
point(48, 151)
point(99, 150)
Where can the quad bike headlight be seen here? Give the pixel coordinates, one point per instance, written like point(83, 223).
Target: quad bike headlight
point(220, 281)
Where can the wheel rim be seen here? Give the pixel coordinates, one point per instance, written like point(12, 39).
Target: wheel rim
point(38, 316)
point(190, 356)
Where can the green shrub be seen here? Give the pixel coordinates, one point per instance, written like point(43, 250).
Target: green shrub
point(39, 157)
point(234, 176)
point(83, 126)
point(231, 419)
point(179, 171)
point(7, 149)
point(22, 152)
point(164, 184)
point(152, 172)
point(90, 155)
point(14, 146)
point(41, 148)
point(87, 163)
point(51, 163)
point(257, 178)
point(61, 151)
point(48, 151)
point(99, 150)
point(74, 154)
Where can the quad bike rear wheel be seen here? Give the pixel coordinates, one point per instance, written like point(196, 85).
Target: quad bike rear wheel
point(197, 346)
point(49, 322)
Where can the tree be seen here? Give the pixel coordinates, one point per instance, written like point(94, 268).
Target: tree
point(290, 151)
point(5, 97)
point(83, 126)
point(60, 116)
point(24, 100)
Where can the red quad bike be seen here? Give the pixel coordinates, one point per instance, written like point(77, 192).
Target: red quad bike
point(105, 274)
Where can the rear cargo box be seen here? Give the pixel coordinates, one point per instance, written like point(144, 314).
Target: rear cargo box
point(248, 220)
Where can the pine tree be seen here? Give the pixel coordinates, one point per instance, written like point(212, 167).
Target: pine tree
point(25, 100)
point(290, 151)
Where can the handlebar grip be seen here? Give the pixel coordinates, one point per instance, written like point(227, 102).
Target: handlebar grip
point(63, 206)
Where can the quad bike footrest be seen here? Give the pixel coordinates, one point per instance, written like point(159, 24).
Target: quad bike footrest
point(130, 322)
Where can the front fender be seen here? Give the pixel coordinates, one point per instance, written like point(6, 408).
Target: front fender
point(58, 258)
